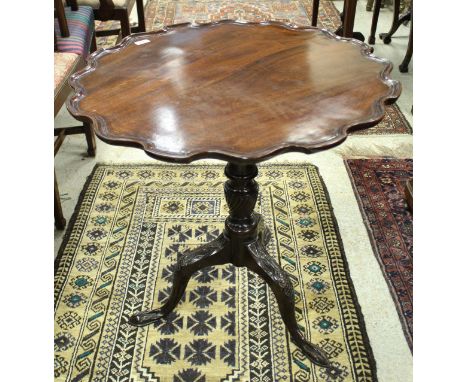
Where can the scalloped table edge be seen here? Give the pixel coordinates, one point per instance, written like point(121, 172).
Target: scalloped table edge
point(101, 130)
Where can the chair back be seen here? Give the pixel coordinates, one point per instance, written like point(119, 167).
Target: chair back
point(62, 20)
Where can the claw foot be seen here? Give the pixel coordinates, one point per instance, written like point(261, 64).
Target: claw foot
point(145, 318)
point(314, 354)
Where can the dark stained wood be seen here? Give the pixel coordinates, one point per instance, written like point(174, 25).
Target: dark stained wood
point(107, 11)
point(61, 93)
point(60, 221)
point(125, 24)
point(90, 139)
point(375, 20)
point(243, 243)
point(62, 20)
point(241, 92)
point(349, 15)
point(93, 45)
point(387, 37)
point(347, 21)
point(73, 5)
point(396, 23)
point(403, 67)
point(58, 141)
point(58, 213)
point(141, 16)
point(73, 130)
point(315, 12)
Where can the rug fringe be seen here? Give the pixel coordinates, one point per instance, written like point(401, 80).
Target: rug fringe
point(394, 149)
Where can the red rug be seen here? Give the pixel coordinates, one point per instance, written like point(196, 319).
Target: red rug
point(379, 185)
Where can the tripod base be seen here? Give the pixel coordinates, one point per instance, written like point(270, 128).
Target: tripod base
point(243, 243)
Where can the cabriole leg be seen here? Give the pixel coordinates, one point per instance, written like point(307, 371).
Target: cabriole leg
point(213, 253)
point(278, 280)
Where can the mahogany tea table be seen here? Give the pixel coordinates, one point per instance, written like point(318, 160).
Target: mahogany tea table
point(240, 92)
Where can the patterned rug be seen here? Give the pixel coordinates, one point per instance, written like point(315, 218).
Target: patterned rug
point(167, 12)
point(118, 256)
point(379, 185)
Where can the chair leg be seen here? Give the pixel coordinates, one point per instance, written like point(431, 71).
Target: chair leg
point(375, 20)
point(387, 37)
point(90, 139)
point(349, 11)
point(93, 46)
point(409, 53)
point(60, 221)
point(141, 16)
point(125, 23)
point(315, 11)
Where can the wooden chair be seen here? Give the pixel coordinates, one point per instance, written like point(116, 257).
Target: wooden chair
point(398, 20)
point(370, 4)
point(74, 29)
point(74, 37)
point(347, 19)
point(118, 10)
point(403, 67)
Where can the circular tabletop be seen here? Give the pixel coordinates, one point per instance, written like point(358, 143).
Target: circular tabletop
point(229, 90)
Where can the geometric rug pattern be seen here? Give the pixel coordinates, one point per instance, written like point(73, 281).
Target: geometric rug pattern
point(379, 185)
point(118, 255)
point(159, 13)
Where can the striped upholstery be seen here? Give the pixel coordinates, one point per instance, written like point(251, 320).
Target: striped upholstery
point(81, 26)
point(95, 3)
